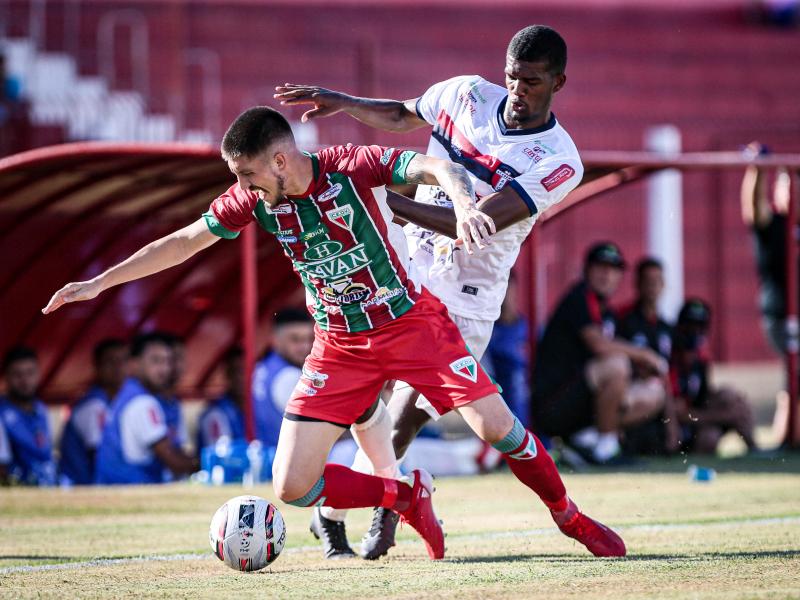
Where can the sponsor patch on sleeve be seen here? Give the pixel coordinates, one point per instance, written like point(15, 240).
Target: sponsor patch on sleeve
point(557, 177)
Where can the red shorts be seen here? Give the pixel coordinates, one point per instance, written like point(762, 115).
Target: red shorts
point(345, 372)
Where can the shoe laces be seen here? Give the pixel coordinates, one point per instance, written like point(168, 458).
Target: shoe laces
point(335, 531)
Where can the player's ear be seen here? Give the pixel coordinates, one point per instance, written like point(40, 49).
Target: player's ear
point(279, 160)
point(560, 81)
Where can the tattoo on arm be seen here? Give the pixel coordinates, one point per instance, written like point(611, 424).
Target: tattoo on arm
point(461, 181)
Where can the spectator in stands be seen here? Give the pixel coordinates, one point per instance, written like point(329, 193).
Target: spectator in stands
point(506, 356)
point(84, 428)
point(276, 375)
point(223, 417)
point(705, 413)
point(581, 387)
point(171, 401)
point(641, 325)
point(140, 442)
point(24, 418)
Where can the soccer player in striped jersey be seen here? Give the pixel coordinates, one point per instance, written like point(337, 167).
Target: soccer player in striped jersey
point(329, 213)
point(520, 160)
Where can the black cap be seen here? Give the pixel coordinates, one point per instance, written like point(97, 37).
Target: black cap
point(607, 253)
point(695, 311)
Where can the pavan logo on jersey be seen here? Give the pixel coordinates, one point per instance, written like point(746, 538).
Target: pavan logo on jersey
point(342, 216)
point(557, 177)
point(330, 193)
point(323, 250)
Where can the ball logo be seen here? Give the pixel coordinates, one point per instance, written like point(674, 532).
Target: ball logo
point(323, 250)
point(557, 177)
point(465, 367)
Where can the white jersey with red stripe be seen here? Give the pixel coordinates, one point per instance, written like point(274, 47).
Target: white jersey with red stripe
point(542, 165)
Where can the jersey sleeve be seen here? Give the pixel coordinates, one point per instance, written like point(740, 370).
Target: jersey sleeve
point(548, 183)
point(372, 166)
point(89, 419)
point(230, 212)
point(440, 95)
point(283, 385)
point(145, 421)
point(5, 447)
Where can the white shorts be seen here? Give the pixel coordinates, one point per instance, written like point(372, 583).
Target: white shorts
point(476, 334)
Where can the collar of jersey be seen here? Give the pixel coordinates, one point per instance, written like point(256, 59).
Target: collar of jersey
point(506, 131)
point(312, 186)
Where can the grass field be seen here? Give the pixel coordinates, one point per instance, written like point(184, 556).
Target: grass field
point(737, 537)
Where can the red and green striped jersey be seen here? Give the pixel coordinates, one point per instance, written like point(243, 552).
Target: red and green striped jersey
point(336, 235)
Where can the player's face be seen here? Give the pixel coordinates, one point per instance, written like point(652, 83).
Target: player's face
point(603, 279)
point(22, 377)
point(530, 91)
point(293, 342)
point(112, 369)
point(651, 284)
point(156, 366)
point(263, 174)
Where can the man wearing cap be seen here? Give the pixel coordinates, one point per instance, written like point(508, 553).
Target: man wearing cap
point(705, 413)
point(581, 387)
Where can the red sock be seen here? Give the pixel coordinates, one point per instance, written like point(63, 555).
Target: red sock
point(538, 472)
point(345, 488)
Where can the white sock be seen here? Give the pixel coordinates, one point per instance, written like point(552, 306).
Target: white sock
point(586, 438)
point(607, 446)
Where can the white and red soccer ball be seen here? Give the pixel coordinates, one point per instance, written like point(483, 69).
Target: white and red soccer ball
point(247, 533)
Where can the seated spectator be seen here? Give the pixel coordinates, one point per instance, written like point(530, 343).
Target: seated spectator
point(141, 439)
point(171, 400)
point(84, 428)
point(223, 417)
point(24, 418)
point(582, 376)
point(276, 375)
point(506, 357)
point(705, 413)
point(641, 325)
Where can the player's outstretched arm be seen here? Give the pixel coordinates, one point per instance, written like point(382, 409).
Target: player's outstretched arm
point(156, 256)
point(389, 115)
point(472, 225)
point(504, 207)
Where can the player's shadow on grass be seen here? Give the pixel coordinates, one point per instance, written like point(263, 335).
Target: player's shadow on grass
point(562, 557)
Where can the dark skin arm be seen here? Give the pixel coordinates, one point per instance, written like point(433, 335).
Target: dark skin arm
point(504, 207)
point(174, 459)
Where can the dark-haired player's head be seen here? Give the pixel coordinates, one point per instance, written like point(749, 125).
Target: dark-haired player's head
point(154, 359)
point(603, 268)
point(649, 280)
point(110, 357)
point(694, 321)
point(21, 371)
point(292, 335)
point(536, 61)
point(256, 147)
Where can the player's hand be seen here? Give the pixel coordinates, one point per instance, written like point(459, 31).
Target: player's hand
point(474, 227)
point(326, 102)
point(73, 292)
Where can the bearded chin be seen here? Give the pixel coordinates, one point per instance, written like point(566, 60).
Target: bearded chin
point(280, 193)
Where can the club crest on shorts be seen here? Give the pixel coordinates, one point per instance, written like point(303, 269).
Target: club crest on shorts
point(342, 216)
point(465, 367)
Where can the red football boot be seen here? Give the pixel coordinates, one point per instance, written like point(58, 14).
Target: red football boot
point(598, 539)
point(420, 514)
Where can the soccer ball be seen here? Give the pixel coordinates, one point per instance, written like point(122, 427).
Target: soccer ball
point(247, 533)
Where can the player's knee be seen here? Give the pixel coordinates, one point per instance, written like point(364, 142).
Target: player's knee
point(296, 491)
point(612, 369)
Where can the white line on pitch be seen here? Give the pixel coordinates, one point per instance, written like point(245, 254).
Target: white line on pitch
point(104, 562)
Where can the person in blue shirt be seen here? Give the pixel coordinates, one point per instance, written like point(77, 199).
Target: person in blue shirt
point(276, 375)
point(140, 439)
point(223, 417)
point(84, 428)
point(24, 418)
point(506, 356)
point(5, 454)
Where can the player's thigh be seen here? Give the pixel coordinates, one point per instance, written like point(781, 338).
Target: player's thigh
point(489, 417)
point(303, 448)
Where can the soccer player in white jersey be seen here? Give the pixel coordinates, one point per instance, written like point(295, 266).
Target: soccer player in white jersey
point(521, 162)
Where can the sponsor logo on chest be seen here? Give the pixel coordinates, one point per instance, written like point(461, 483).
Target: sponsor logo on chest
point(331, 193)
point(323, 250)
point(281, 209)
point(337, 265)
point(314, 233)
